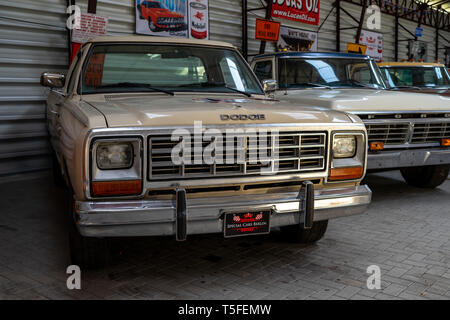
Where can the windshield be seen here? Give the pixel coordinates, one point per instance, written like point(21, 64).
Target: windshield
point(167, 68)
point(329, 72)
point(417, 76)
point(155, 5)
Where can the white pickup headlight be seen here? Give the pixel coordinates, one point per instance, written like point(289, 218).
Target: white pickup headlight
point(344, 146)
point(111, 155)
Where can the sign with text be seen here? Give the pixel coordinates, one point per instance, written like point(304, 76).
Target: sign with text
point(199, 19)
point(91, 26)
point(166, 18)
point(267, 30)
point(305, 11)
point(356, 48)
point(292, 39)
point(374, 43)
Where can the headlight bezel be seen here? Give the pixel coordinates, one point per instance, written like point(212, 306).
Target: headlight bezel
point(134, 172)
point(358, 160)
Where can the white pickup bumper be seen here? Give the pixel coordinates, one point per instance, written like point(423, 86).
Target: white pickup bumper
point(387, 159)
point(184, 216)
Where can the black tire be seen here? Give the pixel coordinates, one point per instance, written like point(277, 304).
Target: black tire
point(152, 26)
point(426, 177)
point(58, 178)
point(297, 234)
point(85, 252)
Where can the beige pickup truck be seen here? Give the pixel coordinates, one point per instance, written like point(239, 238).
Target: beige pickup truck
point(157, 136)
point(406, 131)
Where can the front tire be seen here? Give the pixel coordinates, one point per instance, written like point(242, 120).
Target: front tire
point(426, 177)
point(58, 178)
point(297, 234)
point(85, 252)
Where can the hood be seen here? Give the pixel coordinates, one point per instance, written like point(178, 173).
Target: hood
point(366, 100)
point(164, 13)
point(184, 109)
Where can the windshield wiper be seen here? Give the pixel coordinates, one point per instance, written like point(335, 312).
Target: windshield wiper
point(362, 85)
point(312, 84)
point(216, 85)
point(135, 85)
point(403, 87)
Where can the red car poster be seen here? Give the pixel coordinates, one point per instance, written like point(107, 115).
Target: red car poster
point(305, 11)
point(167, 18)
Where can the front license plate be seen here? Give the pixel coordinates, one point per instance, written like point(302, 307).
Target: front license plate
point(246, 223)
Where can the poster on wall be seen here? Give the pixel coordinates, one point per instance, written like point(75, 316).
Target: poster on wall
point(292, 39)
point(199, 19)
point(305, 11)
point(374, 43)
point(166, 18)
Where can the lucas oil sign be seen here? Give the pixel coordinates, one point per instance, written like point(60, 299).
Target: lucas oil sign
point(305, 11)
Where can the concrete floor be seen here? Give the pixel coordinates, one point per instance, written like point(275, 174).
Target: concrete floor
point(405, 232)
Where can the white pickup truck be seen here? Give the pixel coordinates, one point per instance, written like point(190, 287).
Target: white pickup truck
point(406, 131)
point(161, 136)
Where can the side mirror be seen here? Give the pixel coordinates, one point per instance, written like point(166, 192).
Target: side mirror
point(270, 86)
point(53, 80)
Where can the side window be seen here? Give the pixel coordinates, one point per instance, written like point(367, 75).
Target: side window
point(263, 70)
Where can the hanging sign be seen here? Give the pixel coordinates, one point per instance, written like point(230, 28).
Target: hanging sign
point(167, 18)
point(267, 30)
point(199, 19)
point(292, 39)
point(418, 32)
point(305, 11)
point(356, 48)
point(374, 43)
point(91, 26)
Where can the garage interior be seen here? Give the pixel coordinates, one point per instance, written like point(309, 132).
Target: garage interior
point(406, 229)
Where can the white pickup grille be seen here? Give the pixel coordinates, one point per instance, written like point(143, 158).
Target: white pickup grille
point(296, 152)
point(408, 132)
point(389, 133)
point(430, 132)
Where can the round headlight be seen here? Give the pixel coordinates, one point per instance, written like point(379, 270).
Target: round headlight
point(344, 146)
point(112, 155)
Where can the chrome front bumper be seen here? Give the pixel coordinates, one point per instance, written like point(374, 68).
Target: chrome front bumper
point(408, 158)
point(205, 215)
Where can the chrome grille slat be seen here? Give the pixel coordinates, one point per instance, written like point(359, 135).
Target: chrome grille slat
point(297, 152)
point(408, 132)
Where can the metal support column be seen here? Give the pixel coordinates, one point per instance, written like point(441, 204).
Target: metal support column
point(361, 21)
point(338, 25)
point(244, 30)
point(262, 47)
point(92, 6)
point(396, 32)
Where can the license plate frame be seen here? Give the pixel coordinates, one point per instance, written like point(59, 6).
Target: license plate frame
point(240, 223)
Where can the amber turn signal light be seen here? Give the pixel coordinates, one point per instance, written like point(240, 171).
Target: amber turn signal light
point(116, 188)
point(445, 142)
point(346, 173)
point(376, 146)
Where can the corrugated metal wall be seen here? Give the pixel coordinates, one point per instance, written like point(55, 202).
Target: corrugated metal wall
point(33, 39)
